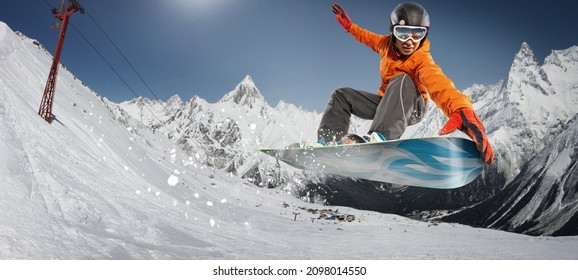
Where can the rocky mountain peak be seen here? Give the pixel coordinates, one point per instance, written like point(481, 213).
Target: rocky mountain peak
point(245, 94)
point(527, 76)
point(174, 101)
point(524, 58)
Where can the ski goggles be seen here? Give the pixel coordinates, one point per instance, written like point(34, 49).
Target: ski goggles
point(404, 33)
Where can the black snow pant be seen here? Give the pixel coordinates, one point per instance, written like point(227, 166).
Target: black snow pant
point(401, 105)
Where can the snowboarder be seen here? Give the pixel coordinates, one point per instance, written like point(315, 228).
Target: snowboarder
point(409, 78)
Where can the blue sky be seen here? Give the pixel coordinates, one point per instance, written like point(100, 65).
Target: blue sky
point(294, 49)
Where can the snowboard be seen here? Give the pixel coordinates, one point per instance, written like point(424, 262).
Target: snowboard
point(436, 162)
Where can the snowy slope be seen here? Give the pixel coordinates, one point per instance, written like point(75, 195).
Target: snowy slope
point(95, 184)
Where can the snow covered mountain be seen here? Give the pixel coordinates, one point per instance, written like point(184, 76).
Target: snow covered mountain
point(537, 135)
point(542, 200)
point(227, 134)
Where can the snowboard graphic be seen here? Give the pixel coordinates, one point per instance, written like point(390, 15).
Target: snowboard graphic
point(437, 162)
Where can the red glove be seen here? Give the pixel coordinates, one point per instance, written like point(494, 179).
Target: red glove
point(341, 16)
point(466, 120)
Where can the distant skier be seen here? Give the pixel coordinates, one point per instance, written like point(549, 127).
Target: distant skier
point(409, 78)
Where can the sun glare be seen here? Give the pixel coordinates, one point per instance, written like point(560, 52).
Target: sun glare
point(199, 9)
point(198, 4)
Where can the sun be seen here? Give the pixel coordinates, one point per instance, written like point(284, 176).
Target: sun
point(197, 4)
point(198, 9)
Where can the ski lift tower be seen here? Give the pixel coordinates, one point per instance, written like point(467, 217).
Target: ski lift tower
point(45, 110)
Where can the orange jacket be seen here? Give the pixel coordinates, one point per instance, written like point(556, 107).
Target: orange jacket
point(420, 66)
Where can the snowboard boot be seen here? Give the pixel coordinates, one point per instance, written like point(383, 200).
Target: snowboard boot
point(353, 138)
point(372, 137)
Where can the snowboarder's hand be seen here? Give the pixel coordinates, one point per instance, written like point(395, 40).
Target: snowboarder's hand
point(466, 120)
point(341, 16)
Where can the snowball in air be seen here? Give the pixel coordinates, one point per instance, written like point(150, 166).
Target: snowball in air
point(173, 180)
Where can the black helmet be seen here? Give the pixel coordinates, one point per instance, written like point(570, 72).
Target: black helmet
point(409, 14)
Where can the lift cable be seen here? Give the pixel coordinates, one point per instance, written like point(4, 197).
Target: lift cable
point(115, 72)
point(110, 65)
point(123, 56)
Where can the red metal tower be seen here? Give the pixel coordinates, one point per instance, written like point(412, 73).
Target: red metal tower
point(45, 110)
